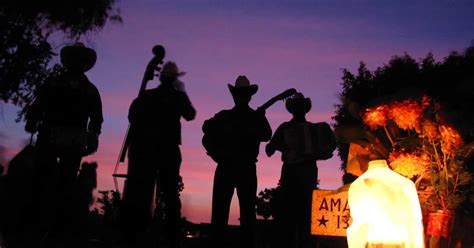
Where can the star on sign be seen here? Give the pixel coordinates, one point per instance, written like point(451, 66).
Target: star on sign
point(322, 221)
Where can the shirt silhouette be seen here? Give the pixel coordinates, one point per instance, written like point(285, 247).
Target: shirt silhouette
point(67, 114)
point(232, 138)
point(154, 154)
point(301, 143)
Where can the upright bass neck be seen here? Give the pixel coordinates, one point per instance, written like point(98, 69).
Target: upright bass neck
point(151, 68)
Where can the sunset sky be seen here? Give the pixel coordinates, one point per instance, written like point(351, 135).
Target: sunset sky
point(302, 44)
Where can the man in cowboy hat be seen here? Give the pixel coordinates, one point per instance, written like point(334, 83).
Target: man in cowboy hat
point(298, 140)
point(67, 114)
point(154, 153)
point(232, 138)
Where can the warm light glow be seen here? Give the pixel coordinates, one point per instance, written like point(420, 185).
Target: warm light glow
point(385, 210)
point(409, 164)
point(190, 235)
point(450, 139)
point(429, 130)
point(357, 160)
point(406, 114)
point(376, 117)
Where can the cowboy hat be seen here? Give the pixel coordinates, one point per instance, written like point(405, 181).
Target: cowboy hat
point(242, 85)
point(170, 69)
point(78, 56)
point(298, 101)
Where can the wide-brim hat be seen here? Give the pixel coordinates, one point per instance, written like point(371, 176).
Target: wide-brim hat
point(170, 69)
point(243, 86)
point(298, 101)
point(78, 56)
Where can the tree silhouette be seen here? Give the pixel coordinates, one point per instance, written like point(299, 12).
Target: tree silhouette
point(268, 203)
point(159, 213)
point(109, 203)
point(25, 48)
point(450, 82)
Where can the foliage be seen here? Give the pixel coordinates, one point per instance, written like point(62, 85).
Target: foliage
point(268, 203)
point(429, 148)
point(159, 213)
point(109, 201)
point(449, 82)
point(26, 51)
point(404, 112)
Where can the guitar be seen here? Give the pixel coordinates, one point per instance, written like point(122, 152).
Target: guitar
point(212, 141)
point(282, 96)
point(151, 68)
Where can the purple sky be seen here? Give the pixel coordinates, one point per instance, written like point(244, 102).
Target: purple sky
point(277, 44)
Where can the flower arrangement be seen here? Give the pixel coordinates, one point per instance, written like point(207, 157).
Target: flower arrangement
point(408, 164)
point(426, 148)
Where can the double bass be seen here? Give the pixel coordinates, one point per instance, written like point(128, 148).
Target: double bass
point(151, 71)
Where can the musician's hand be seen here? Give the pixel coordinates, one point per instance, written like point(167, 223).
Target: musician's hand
point(179, 85)
point(92, 143)
point(214, 157)
point(31, 127)
point(261, 111)
point(269, 150)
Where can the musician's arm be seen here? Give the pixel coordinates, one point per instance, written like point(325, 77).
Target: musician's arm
point(265, 129)
point(276, 143)
point(189, 112)
point(95, 111)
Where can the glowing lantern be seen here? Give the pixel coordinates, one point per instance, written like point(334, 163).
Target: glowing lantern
point(385, 210)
